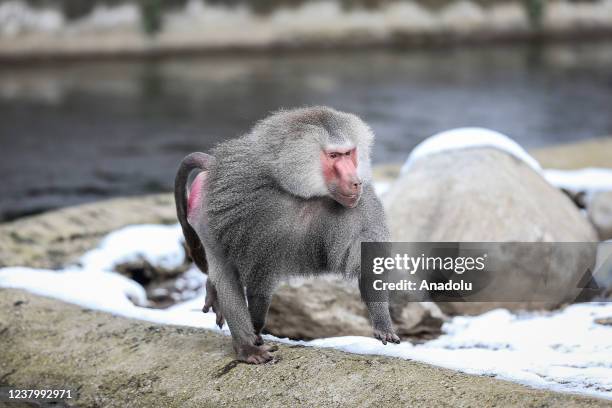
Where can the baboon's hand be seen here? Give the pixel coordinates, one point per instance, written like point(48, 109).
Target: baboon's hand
point(386, 336)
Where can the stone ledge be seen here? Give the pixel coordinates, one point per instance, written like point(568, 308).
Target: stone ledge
point(116, 362)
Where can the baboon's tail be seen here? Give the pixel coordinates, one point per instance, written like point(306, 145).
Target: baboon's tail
point(194, 161)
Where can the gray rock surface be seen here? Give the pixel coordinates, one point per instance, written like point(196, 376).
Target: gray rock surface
point(486, 195)
point(55, 238)
point(600, 213)
point(117, 362)
point(331, 306)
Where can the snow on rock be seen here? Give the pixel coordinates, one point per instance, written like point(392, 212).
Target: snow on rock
point(157, 244)
point(563, 351)
point(468, 137)
point(107, 291)
point(588, 180)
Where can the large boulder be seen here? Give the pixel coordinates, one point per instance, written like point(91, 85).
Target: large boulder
point(59, 237)
point(484, 194)
point(330, 306)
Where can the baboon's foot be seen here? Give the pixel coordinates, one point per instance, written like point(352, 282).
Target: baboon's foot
point(254, 354)
point(212, 301)
point(260, 342)
point(270, 347)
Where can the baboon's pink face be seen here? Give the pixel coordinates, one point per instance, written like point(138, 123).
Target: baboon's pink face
point(340, 173)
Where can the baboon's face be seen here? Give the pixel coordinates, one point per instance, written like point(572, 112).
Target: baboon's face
point(339, 166)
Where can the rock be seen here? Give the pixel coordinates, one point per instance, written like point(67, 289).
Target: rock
point(599, 210)
point(606, 321)
point(330, 306)
point(418, 320)
point(53, 239)
point(579, 198)
point(319, 307)
point(118, 362)
point(482, 194)
point(164, 286)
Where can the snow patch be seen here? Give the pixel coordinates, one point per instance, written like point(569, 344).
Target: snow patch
point(466, 138)
point(562, 351)
point(589, 180)
point(157, 244)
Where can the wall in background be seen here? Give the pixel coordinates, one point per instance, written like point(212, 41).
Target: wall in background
point(45, 28)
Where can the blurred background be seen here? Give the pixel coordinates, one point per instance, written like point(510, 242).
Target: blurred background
point(102, 98)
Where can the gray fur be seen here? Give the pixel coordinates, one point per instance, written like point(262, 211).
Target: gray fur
point(269, 215)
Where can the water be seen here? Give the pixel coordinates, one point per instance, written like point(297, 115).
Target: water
point(80, 132)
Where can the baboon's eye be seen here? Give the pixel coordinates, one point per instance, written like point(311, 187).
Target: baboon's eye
point(333, 155)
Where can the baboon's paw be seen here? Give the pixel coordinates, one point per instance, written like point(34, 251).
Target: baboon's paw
point(386, 336)
point(254, 354)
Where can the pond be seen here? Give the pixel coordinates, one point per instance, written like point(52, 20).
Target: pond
point(83, 131)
